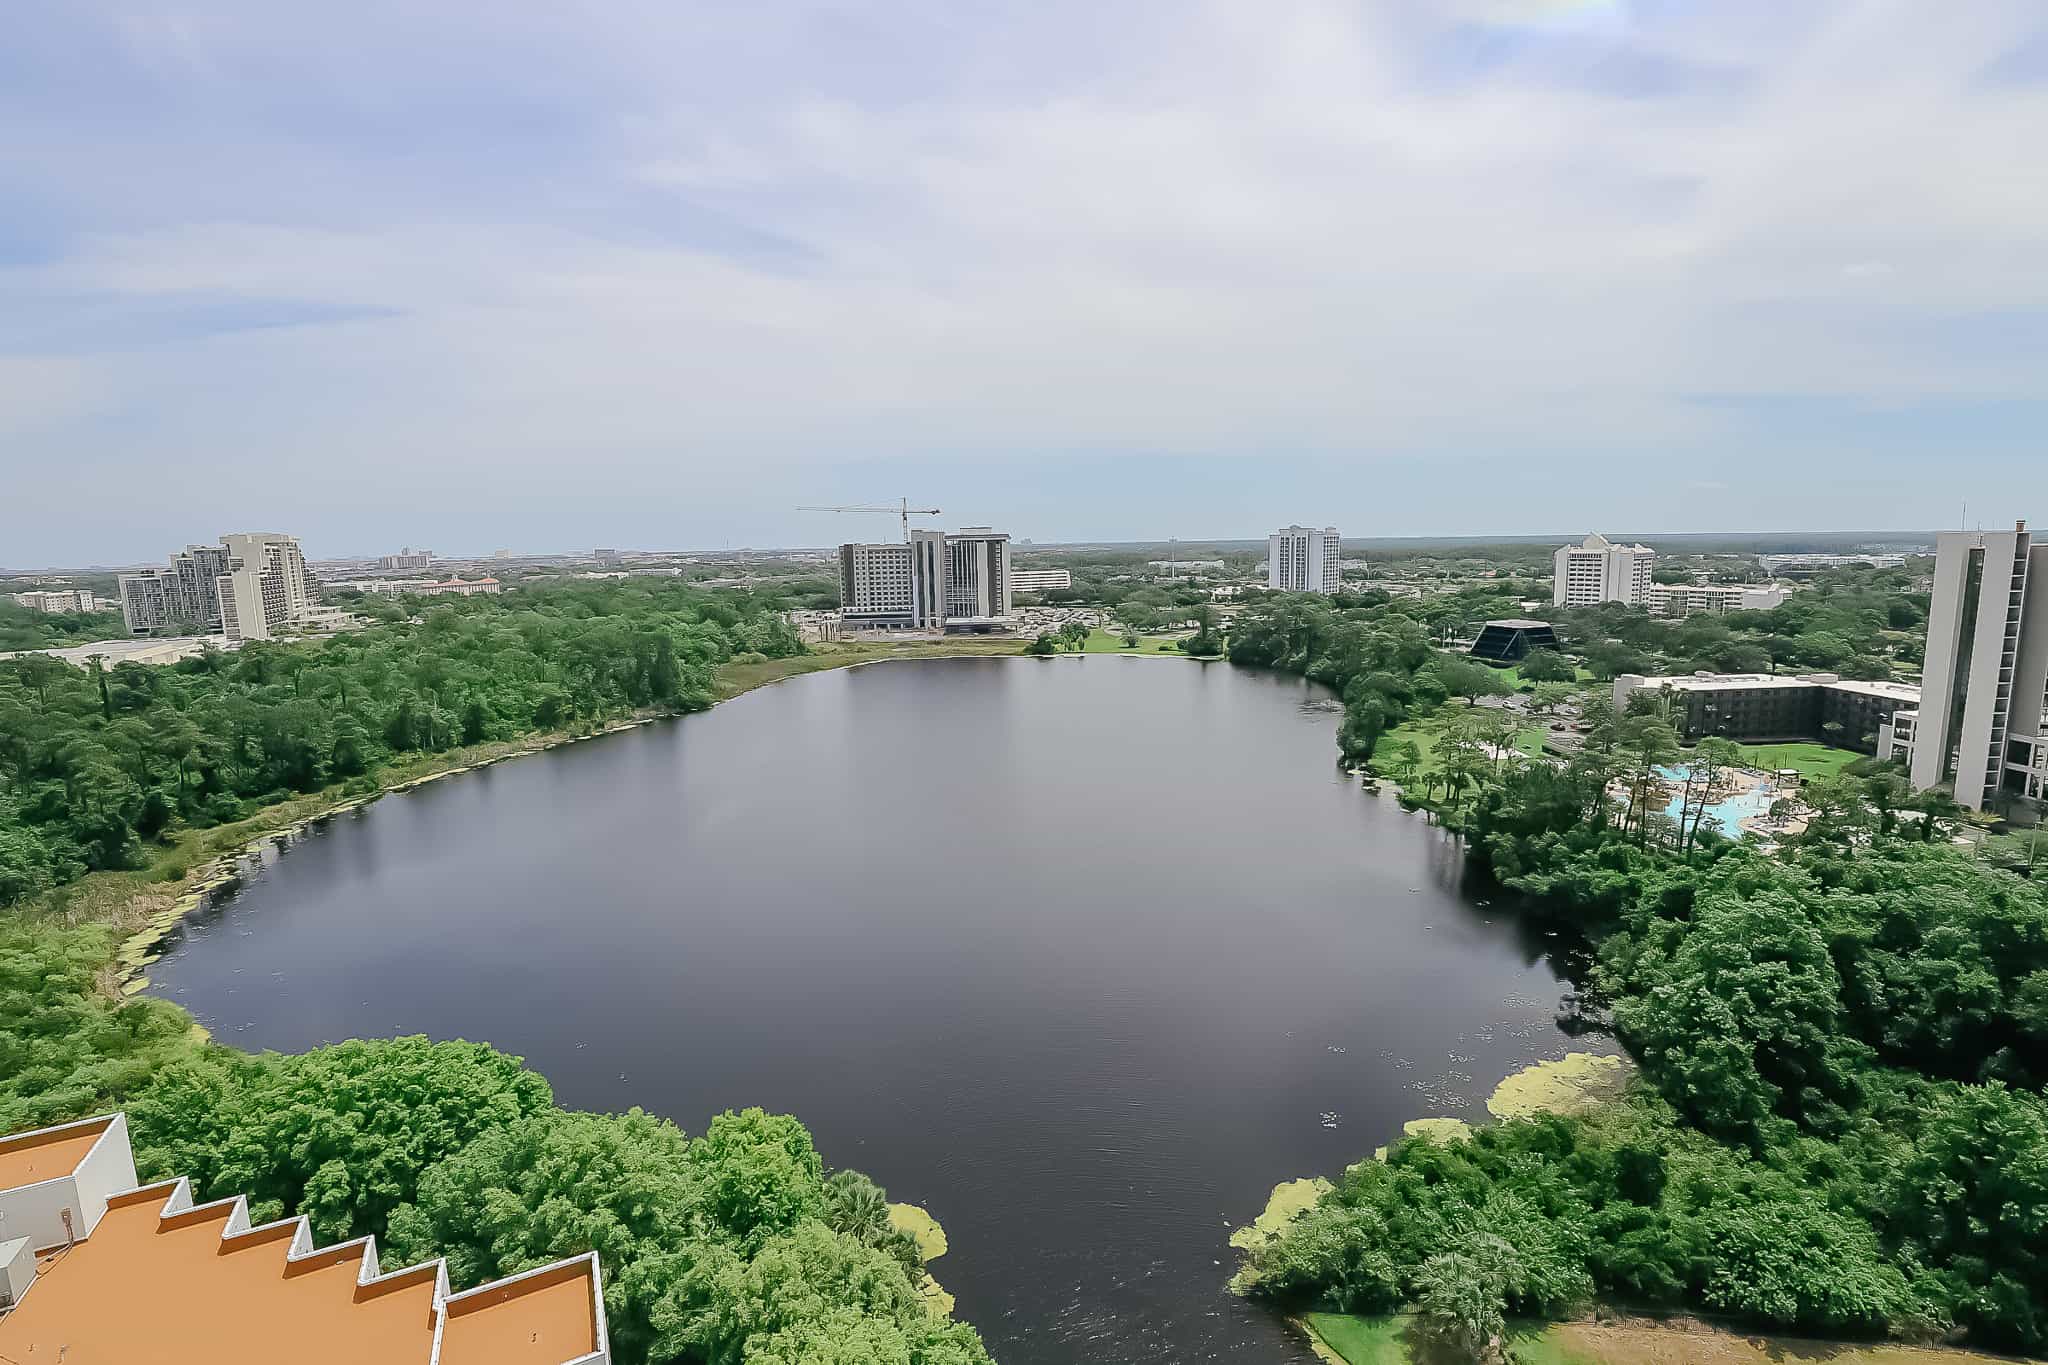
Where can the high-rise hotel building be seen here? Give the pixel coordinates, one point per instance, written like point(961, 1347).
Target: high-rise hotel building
point(249, 587)
point(1597, 570)
point(1982, 725)
point(936, 581)
point(1300, 559)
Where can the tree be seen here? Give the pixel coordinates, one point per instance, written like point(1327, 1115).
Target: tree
point(1644, 744)
point(1470, 680)
point(1461, 1301)
point(1398, 760)
point(1707, 782)
point(558, 1183)
point(340, 1134)
point(1046, 645)
point(1548, 666)
point(1740, 1022)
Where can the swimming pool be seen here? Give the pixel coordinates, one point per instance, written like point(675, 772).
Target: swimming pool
point(1725, 816)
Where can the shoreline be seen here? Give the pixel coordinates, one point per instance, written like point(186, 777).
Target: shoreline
point(143, 907)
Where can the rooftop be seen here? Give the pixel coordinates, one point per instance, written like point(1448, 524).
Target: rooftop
point(1732, 682)
point(156, 1279)
point(31, 1158)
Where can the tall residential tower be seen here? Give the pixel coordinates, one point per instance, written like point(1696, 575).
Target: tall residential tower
point(1982, 726)
point(249, 587)
point(1597, 570)
point(936, 581)
point(1299, 559)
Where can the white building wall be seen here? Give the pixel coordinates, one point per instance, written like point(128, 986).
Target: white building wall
point(1597, 570)
point(38, 1211)
point(1302, 559)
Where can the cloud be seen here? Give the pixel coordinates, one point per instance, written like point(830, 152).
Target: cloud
point(647, 241)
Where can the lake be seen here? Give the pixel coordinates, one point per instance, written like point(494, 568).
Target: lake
point(1077, 953)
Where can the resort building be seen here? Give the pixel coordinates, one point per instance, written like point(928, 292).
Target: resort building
point(265, 586)
point(1982, 727)
point(1690, 599)
point(1807, 565)
point(1040, 580)
point(155, 649)
point(182, 599)
point(935, 581)
point(59, 602)
point(1302, 560)
point(1764, 707)
point(432, 587)
point(1511, 640)
point(1597, 570)
point(98, 1269)
point(249, 587)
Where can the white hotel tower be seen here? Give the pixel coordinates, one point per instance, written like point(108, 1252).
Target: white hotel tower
point(1983, 718)
point(935, 582)
point(1597, 570)
point(1299, 559)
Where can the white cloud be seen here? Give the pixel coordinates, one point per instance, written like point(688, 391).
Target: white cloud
point(1225, 229)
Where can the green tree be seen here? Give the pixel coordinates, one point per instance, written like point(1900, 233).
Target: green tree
point(1548, 666)
point(340, 1134)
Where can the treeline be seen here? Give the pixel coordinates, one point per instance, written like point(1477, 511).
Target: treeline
point(1839, 1126)
point(1860, 623)
point(731, 1246)
point(21, 628)
point(1376, 653)
point(94, 766)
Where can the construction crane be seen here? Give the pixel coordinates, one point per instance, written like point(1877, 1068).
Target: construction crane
point(902, 509)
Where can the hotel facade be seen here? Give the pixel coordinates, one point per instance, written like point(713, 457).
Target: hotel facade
point(1982, 725)
point(1597, 570)
point(935, 581)
point(1301, 559)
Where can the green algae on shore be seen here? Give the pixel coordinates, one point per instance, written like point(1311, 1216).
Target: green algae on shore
point(1440, 1130)
point(1289, 1200)
point(1577, 1083)
point(924, 1229)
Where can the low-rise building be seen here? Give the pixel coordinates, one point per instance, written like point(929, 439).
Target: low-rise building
point(99, 1269)
point(1766, 707)
point(1040, 580)
point(1508, 641)
point(58, 602)
point(1807, 565)
point(424, 587)
point(1688, 599)
point(158, 649)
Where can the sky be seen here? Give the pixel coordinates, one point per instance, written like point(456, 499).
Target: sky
point(652, 274)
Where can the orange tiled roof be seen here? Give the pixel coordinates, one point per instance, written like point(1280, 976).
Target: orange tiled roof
point(30, 1158)
point(162, 1281)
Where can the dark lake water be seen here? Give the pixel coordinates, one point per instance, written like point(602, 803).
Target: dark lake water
point(1076, 953)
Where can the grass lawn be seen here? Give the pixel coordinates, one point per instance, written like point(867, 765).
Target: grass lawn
point(1812, 760)
point(1361, 1341)
point(1378, 1341)
point(1111, 642)
point(1529, 741)
point(735, 678)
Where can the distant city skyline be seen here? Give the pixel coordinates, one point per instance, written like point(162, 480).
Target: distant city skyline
point(477, 275)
